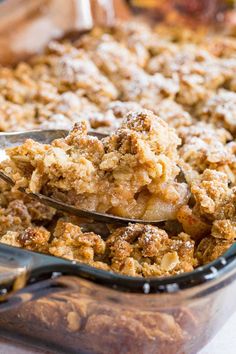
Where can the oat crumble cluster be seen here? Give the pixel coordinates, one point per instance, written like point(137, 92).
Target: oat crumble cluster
point(168, 106)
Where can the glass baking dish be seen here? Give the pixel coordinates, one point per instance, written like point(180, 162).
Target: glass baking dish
point(74, 308)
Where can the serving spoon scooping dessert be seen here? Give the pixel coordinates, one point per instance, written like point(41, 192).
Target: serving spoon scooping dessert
point(47, 136)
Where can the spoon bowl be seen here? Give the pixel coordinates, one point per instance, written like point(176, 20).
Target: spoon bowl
point(46, 137)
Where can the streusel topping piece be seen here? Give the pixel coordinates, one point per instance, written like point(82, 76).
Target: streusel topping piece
point(131, 173)
point(145, 250)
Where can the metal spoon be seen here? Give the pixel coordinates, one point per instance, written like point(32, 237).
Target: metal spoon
point(46, 137)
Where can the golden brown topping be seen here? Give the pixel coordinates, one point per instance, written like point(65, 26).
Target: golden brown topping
point(220, 110)
point(224, 229)
point(145, 250)
point(196, 69)
point(15, 217)
point(130, 173)
point(106, 80)
point(192, 224)
point(206, 148)
point(174, 115)
point(70, 242)
point(210, 248)
point(214, 198)
point(11, 238)
point(35, 239)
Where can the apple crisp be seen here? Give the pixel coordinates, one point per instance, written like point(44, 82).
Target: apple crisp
point(167, 102)
point(131, 173)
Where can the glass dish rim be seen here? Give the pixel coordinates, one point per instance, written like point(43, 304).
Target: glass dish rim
point(45, 267)
point(166, 284)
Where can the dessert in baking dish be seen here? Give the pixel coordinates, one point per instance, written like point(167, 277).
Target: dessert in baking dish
point(167, 103)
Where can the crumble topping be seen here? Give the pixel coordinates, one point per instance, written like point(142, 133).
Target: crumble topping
point(166, 98)
point(220, 110)
point(197, 70)
point(210, 248)
point(148, 251)
point(14, 217)
point(214, 198)
point(70, 242)
point(206, 147)
point(130, 173)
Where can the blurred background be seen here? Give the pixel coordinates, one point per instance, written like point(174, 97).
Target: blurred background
point(27, 26)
